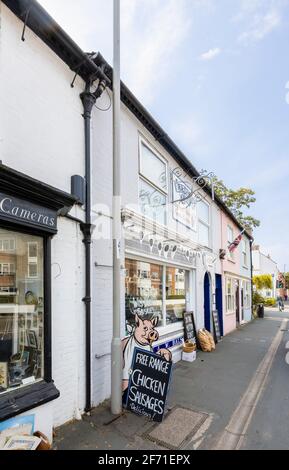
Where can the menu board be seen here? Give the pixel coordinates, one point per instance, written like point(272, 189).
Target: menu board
point(216, 326)
point(148, 385)
point(190, 328)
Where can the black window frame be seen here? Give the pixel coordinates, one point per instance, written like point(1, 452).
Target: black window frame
point(27, 397)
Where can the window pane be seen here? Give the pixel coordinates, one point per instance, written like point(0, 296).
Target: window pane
point(143, 290)
point(153, 168)
point(203, 211)
point(21, 311)
point(152, 202)
point(175, 294)
point(203, 234)
point(230, 235)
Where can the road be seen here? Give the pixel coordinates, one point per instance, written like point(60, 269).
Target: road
point(269, 427)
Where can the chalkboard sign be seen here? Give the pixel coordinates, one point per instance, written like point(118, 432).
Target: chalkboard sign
point(190, 328)
point(148, 384)
point(216, 326)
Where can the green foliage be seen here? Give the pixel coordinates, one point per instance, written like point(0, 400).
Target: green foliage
point(257, 298)
point(236, 201)
point(270, 302)
point(263, 281)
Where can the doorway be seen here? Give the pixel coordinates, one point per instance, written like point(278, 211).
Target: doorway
point(237, 297)
point(207, 302)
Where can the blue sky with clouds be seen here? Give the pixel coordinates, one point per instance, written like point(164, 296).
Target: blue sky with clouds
point(215, 74)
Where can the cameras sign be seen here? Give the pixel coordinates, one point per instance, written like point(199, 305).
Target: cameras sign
point(148, 385)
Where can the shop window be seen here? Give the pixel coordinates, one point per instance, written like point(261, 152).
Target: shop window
point(21, 311)
point(204, 223)
point(143, 289)
point(175, 294)
point(230, 295)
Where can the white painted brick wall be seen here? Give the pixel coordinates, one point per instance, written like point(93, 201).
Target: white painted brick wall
point(41, 134)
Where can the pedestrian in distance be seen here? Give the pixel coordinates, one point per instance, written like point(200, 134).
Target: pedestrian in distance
point(280, 304)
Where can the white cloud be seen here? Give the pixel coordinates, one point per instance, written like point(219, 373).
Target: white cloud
point(259, 18)
point(261, 27)
point(210, 54)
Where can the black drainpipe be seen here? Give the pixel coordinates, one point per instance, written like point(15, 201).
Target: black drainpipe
point(88, 100)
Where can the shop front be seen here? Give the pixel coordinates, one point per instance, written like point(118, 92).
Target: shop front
point(28, 221)
point(160, 277)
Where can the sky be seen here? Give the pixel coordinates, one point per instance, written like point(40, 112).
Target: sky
point(215, 75)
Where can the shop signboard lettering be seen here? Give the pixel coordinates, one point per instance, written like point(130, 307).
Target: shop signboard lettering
point(148, 385)
point(18, 210)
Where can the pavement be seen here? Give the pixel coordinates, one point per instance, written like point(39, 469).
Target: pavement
point(210, 389)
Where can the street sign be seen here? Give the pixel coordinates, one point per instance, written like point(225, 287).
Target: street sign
point(148, 385)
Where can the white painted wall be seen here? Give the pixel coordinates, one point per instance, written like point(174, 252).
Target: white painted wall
point(263, 264)
point(41, 135)
point(131, 129)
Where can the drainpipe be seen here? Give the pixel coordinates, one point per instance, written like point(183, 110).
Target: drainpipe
point(88, 100)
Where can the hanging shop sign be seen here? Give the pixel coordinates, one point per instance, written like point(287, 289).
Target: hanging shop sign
point(17, 210)
point(148, 385)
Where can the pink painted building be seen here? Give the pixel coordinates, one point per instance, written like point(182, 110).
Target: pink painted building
point(237, 271)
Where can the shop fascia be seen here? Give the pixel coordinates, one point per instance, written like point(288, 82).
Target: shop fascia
point(160, 242)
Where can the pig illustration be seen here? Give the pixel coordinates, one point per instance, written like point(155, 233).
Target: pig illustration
point(143, 336)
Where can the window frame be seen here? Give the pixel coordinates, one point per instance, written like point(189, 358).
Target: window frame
point(245, 253)
point(230, 295)
point(231, 255)
point(26, 397)
point(143, 141)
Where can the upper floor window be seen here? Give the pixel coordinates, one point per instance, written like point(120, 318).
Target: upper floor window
point(32, 259)
point(204, 223)
point(244, 253)
point(230, 239)
point(153, 167)
point(153, 184)
point(7, 244)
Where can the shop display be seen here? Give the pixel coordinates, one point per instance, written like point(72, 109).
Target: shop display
point(3, 375)
point(21, 309)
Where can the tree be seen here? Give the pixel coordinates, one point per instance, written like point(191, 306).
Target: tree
point(236, 201)
point(263, 281)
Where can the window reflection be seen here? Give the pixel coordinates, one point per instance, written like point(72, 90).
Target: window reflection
point(21, 309)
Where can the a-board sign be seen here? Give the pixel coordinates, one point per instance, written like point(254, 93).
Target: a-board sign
point(148, 384)
point(216, 325)
point(189, 326)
